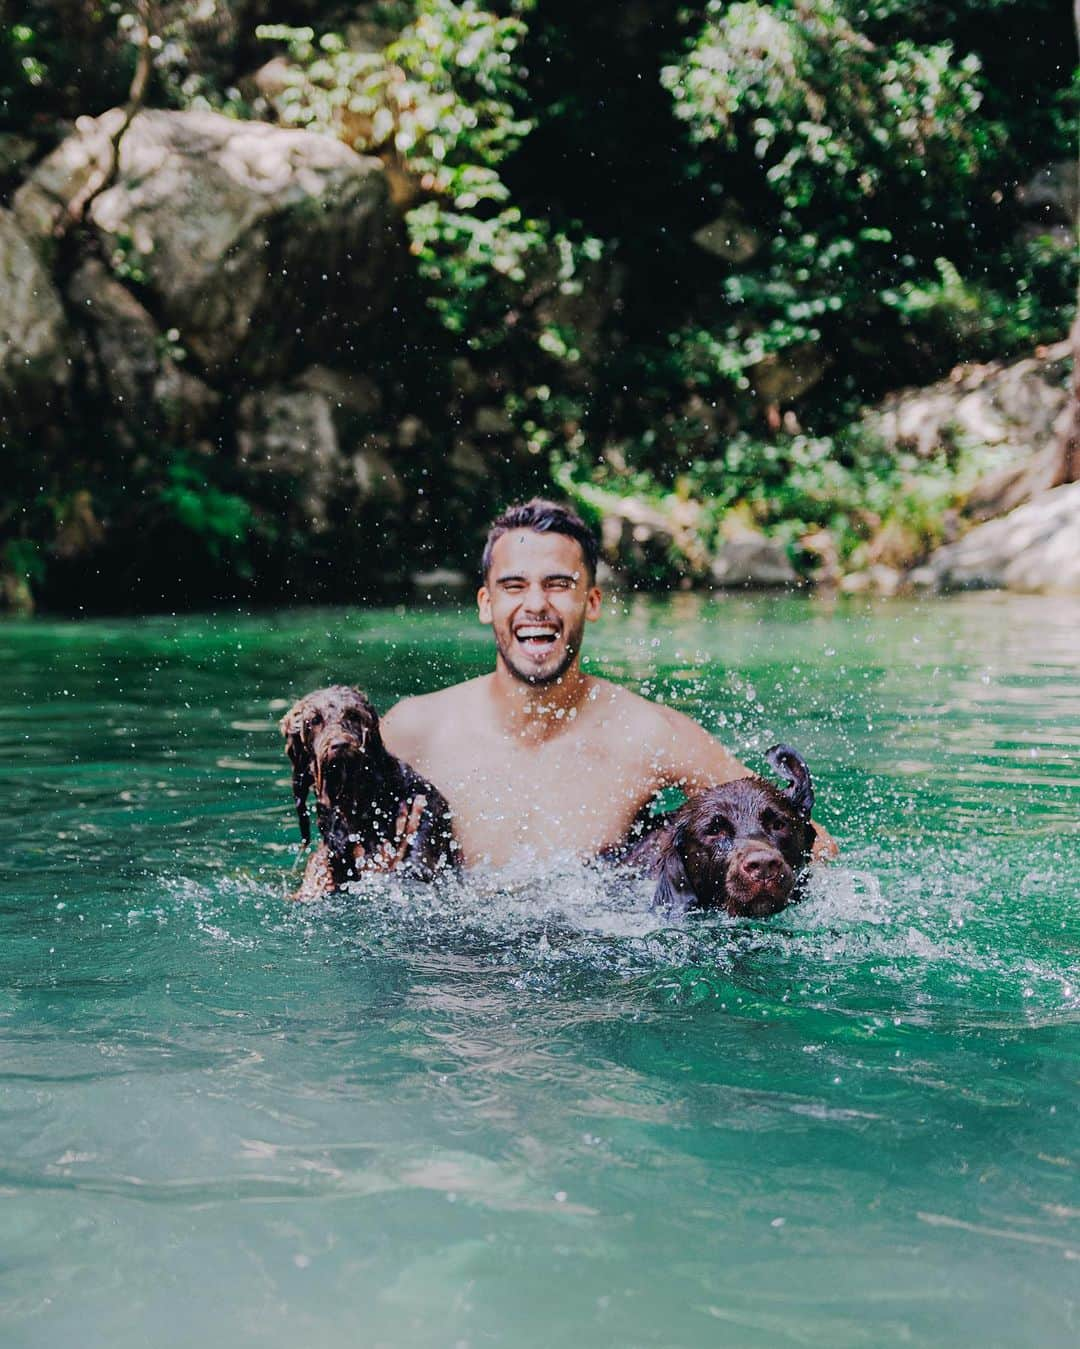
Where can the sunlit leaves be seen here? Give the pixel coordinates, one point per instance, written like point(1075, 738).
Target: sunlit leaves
point(442, 97)
point(825, 108)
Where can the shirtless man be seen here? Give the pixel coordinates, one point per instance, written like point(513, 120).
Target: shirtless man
point(539, 759)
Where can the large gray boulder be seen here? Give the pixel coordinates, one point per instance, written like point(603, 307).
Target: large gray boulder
point(1004, 412)
point(1034, 548)
point(133, 366)
point(33, 361)
point(646, 540)
point(290, 434)
point(308, 436)
point(65, 181)
point(1006, 406)
point(753, 562)
point(264, 247)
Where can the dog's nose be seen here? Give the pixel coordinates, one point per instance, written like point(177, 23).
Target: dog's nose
point(762, 866)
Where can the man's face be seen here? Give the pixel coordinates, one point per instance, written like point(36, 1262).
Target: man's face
point(537, 598)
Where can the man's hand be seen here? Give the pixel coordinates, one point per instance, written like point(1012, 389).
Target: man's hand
point(394, 851)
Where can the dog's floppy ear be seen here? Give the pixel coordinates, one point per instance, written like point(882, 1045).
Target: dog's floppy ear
point(673, 889)
point(292, 727)
point(791, 766)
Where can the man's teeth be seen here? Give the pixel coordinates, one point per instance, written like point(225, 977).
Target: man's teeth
point(536, 634)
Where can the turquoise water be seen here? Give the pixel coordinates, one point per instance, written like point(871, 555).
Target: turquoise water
point(523, 1111)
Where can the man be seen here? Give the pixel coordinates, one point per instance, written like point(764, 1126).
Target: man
point(539, 759)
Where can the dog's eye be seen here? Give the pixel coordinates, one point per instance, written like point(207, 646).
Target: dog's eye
point(719, 827)
point(316, 719)
point(774, 823)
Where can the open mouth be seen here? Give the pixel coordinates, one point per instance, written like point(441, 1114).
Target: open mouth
point(537, 637)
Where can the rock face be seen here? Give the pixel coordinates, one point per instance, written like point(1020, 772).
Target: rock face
point(729, 237)
point(783, 376)
point(753, 562)
point(1034, 548)
point(264, 247)
point(221, 284)
point(292, 434)
point(640, 539)
point(131, 366)
point(1007, 408)
point(311, 436)
point(69, 176)
point(33, 363)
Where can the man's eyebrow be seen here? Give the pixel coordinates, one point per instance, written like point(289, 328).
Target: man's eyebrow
point(552, 576)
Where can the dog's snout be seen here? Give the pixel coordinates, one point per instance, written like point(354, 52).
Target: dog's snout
point(740, 845)
point(762, 866)
point(340, 743)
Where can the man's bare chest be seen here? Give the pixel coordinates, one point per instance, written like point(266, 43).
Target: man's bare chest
point(567, 795)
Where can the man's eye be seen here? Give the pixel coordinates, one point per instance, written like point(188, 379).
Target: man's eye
point(563, 583)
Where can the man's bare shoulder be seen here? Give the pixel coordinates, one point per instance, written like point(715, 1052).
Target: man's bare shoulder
point(642, 715)
point(411, 721)
point(678, 748)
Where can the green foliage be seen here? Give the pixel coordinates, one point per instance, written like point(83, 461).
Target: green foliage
point(474, 264)
point(828, 112)
point(22, 47)
point(968, 319)
point(846, 155)
point(22, 557)
point(27, 55)
point(668, 250)
point(223, 521)
point(126, 262)
point(442, 105)
point(853, 154)
point(441, 98)
point(441, 102)
point(57, 60)
point(486, 271)
point(790, 487)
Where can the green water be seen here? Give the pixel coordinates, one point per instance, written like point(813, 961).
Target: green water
point(523, 1112)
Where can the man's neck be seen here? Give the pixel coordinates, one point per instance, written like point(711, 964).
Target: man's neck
point(535, 713)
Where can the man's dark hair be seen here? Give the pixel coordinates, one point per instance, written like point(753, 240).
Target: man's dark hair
point(546, 517)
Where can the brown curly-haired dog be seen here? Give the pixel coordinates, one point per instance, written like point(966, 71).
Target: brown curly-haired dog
point(374, 812)
point(741, 846)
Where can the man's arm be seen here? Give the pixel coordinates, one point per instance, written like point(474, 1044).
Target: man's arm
point(401, 728)
point(692, 758)
point(695, 760)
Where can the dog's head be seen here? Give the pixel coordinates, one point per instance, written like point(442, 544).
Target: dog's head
point(739, 846)
point(332, 738)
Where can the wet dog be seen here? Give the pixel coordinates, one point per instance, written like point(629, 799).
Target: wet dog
point(742, 846)
point(373, 811)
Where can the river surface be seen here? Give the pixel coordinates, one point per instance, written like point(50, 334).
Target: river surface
point(524, 1111)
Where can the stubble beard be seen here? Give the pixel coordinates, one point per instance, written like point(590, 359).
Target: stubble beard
point(539, 681)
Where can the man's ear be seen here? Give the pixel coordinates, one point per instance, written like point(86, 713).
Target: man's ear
point(483, 604)
point(594, 604)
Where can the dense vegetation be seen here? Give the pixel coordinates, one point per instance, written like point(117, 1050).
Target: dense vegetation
point(671, 250)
